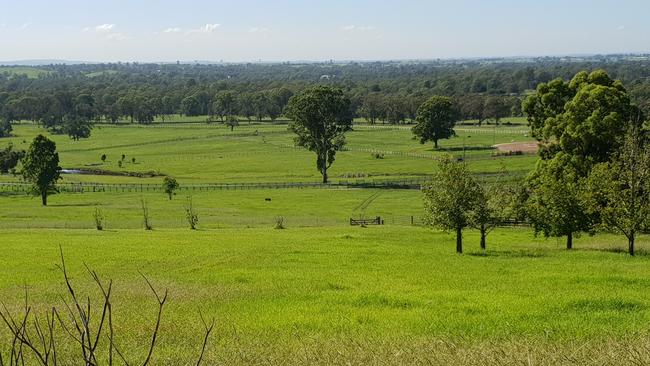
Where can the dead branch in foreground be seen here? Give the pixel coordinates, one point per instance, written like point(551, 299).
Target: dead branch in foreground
point(33, 336)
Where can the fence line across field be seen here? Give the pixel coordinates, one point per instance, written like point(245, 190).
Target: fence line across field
point(90, 187)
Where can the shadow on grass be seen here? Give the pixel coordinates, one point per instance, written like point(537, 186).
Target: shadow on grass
point(619, 250)
point(601, 305)
point(12, 194)
point(460, 148)
point(508, 254)
point(72, 205)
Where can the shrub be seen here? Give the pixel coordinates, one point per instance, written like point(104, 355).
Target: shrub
point(145, 215)
point(279, 223)
point(99, 217)
point(190, 214)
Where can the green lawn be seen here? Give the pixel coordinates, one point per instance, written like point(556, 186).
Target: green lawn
point(380, 295)
point(195, 153)
point(319, 292)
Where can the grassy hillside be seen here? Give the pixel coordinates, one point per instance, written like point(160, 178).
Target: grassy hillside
point(386, 295)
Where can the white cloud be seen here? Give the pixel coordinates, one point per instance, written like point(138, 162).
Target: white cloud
point(208, 28)
point(105, 28)
point(621, 27)
point(26, 25)
point(258, 30)
point(172, 30)
point(359, 28)
point(107, 31)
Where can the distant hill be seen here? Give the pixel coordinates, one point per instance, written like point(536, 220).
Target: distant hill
point(41, 62)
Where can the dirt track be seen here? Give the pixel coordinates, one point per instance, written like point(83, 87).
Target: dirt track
point(525, 147)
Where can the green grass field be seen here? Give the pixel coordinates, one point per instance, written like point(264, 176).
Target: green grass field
point(382, 295)
point(319, 292)
point(264, 153)
point(30, 72)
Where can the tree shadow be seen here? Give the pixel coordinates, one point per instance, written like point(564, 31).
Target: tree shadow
point(73, 205)
point(508, 254)
point(11, 194)
point(617, 250)
point(460, 148)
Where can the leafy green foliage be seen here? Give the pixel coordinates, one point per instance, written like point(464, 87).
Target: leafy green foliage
point(555, 206)
point(435, 120)
point(170, 185)
point(41, 167)
point(619, 191)
point(9, 158)
point(320, 118)
point(450, 198)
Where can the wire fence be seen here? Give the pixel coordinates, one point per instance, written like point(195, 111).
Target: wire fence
point(415, 183)
point(90, 187)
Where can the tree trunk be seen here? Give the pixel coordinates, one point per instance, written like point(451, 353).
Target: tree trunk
point(631, 243)
point(483, 235)
point(435, 144)
point(44, 198)
point(324, 175)
point(459, 240)
point(569, 241)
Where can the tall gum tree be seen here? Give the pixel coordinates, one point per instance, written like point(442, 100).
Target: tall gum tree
point(41, 167)
point(320, 117)
point(579, 124)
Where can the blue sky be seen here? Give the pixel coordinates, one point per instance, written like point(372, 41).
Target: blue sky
point(278, 30)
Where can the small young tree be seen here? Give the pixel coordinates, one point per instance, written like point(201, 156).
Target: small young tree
point(41, 167)
point(450, 198)
point(232, 122)
point(190, 214)
point(170, 185)
point(495, 203)
point(99, 217)
point(620, 191)
point(146, 220)
point(435, 120)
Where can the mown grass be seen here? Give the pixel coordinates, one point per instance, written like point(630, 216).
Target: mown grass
point(197, 153)
point(381, 295)
point(319, 292)
point(216, 209)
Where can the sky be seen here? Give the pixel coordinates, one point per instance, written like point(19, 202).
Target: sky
point(315, 30)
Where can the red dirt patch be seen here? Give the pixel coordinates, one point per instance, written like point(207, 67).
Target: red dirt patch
point(524, 147)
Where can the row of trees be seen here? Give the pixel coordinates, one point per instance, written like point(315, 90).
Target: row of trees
point(593, 172)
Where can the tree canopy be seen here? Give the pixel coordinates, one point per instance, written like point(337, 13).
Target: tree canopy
point(41, 167)
point(320, 118)
point(435, 120)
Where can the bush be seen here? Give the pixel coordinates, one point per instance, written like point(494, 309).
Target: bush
point(99, 217)
point(377, 155)
point(190, 214)
point(279, 223)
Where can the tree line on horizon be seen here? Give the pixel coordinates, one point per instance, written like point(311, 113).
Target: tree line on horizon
point(70, 99)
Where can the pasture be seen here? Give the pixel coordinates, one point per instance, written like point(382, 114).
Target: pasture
point(319, 292)
point(211, 153)
point(382, 295)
